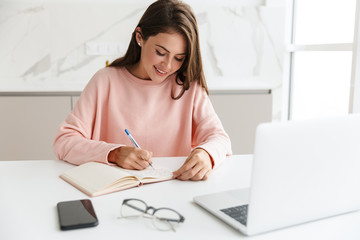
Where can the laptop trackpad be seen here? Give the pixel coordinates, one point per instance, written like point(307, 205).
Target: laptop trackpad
point(236, 197)
point(225, 199)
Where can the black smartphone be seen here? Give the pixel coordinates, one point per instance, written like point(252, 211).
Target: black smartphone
point(76, 214)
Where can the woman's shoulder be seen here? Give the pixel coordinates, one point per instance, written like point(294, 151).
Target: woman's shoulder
point(102, 79)
point(108, 72)
point(194, 91)
point(106, 75)
point(197, 88)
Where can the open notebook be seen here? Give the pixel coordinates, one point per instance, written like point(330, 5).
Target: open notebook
point(96, 179)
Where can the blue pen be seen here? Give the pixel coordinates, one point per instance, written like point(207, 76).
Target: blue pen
point(135, 143)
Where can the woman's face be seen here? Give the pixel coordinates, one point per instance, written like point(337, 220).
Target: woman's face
point(161, 56)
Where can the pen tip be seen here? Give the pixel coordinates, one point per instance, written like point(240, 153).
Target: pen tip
point(127, 132)
point(151, 165)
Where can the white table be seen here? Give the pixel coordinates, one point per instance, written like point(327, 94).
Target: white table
point(30, 190)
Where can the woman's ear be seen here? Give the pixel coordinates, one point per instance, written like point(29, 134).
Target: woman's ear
point(138, 36)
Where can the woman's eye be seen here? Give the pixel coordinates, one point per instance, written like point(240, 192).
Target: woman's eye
point(179, 59)
point(159, 53)
point(163, 54)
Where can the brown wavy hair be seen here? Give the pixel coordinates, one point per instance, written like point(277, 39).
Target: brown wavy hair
point(165, 16)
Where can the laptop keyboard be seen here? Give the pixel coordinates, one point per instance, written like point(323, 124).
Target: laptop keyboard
point(239, 213)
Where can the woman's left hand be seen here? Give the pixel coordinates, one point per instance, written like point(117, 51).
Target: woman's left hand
point(197, 166)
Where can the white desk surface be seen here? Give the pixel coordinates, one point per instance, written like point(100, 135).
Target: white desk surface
point(30, 190)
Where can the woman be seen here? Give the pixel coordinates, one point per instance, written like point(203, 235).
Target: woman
point(158, 92)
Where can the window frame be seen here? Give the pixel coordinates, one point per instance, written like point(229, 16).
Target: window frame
point(291, 49)
point(354, 104)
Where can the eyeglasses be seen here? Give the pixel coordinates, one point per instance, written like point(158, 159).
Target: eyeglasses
point(164, 219)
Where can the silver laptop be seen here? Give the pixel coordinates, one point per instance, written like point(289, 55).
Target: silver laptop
point(302, 171)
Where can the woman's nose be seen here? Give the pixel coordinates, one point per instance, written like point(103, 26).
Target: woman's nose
point(167, 63)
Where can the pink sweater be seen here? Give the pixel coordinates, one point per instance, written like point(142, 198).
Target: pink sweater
point(115, 100)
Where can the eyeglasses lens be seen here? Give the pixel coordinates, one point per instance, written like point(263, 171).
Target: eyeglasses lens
point(166, 219)
point(133, 208)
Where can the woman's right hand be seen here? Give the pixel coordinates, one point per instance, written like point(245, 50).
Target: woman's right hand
point(130, 157)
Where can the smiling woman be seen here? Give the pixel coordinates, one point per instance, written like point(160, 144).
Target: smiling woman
point(157, 90)
point(161, 56)
point(176, 21)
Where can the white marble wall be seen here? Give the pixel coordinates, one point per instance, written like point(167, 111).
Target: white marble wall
point(50, 40)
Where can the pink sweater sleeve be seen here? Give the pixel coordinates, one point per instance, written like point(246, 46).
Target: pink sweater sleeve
point(208, 132)
point(73, 142)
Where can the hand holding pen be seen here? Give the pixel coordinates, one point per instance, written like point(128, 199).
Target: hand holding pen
point(134, 142)
point(130, 158)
